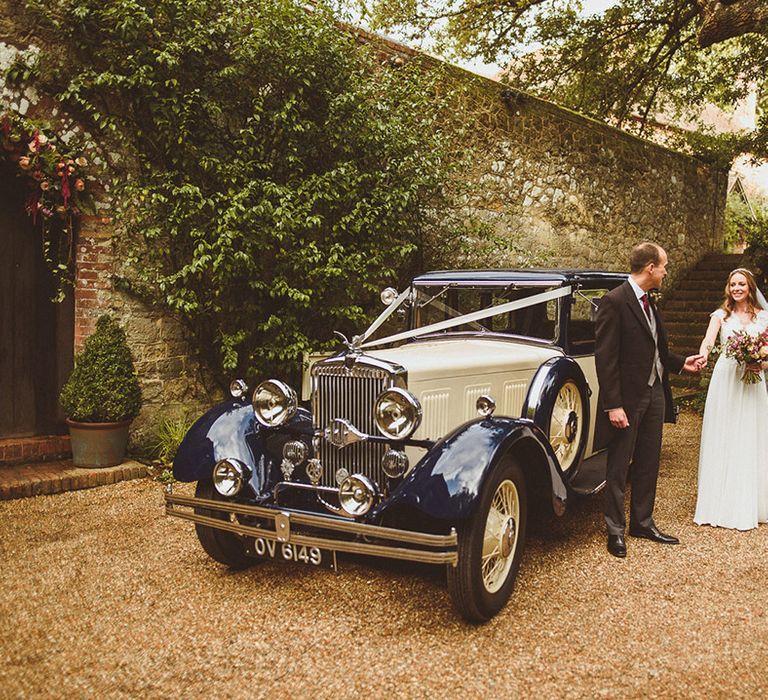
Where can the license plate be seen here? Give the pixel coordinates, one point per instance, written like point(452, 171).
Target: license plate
point(264, 548)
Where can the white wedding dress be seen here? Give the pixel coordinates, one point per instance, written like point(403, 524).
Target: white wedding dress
point(733, 461)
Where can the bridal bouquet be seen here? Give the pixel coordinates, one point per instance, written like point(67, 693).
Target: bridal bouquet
point(748, 349)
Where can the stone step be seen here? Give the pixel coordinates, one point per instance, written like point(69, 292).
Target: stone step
point(712, 286)
point(688, 316)
point(685, 345)
point(720, 260)
point(685, 305)
point(710, 276)
point(687, 327)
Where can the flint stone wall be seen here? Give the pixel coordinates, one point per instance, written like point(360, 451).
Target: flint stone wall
point(585, 193)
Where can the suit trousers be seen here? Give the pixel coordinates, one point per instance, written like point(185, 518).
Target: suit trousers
point(639, 444)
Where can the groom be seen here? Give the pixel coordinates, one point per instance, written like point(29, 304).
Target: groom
point(633, 362)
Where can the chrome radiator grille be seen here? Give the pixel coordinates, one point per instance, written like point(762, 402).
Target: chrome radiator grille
point(339, 392)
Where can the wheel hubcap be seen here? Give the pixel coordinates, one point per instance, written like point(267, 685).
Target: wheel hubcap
point(565, 427)
point(500, 538)
point(507, 539)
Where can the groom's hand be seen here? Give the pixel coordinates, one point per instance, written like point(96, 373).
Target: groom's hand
point(694, 363)
point(618, 418)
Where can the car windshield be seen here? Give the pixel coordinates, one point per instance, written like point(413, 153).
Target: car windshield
point(437, 303)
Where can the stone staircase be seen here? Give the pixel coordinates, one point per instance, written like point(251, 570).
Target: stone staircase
point(687, 307)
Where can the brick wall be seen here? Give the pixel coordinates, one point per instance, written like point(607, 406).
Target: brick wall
point(94, 265)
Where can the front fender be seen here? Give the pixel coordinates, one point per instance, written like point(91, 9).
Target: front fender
point(448, 480)
point(231, 430)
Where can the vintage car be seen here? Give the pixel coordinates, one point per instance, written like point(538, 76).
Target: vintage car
point(469, 401)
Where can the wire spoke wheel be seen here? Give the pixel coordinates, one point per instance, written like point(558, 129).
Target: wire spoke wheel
point(566, 425)
point(500, 537)
point(490, 545)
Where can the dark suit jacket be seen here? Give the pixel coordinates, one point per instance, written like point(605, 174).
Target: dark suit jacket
point(624, 352)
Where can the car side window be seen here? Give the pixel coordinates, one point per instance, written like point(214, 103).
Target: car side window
point(581, 325)
point(537, 321)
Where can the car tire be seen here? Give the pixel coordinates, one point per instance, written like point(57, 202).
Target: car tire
point(223, 547)
point(490, 545)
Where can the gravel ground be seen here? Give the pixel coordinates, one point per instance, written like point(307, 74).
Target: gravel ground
point(104, 597)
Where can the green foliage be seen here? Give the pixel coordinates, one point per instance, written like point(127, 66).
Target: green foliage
point(739, 220)
point(278, 176)
point(167, 436)
point(103, 386)
point(756, 236)
point(638, 58)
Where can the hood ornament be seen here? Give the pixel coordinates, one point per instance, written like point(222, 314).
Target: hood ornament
point(353, 348)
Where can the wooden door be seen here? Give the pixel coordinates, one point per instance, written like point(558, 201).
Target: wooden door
point(36, 335)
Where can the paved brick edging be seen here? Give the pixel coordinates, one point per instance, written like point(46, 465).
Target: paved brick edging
point(28, 449)
point(46, 478)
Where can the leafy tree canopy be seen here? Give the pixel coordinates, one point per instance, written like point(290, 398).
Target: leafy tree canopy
point(637, 58)
point(278, 174)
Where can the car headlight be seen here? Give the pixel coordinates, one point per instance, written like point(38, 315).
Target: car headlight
point(274, 403)
point(397, 413)
point(357, 494)
point(229, 476)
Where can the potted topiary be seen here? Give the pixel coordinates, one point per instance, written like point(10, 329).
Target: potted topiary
point(101, 397)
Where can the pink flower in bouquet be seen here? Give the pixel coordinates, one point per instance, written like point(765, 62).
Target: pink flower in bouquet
point(748, 351)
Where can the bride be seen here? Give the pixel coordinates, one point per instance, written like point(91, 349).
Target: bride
point(733, 461)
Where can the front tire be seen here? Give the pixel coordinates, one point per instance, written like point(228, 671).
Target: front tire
point(490, 546)
point(223, 547)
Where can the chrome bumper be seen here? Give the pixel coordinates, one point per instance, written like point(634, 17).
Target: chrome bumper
point(437, 549)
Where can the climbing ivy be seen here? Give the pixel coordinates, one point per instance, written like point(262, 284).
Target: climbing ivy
point(274, 173)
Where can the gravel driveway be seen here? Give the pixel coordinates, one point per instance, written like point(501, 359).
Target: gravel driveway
point(105, 597)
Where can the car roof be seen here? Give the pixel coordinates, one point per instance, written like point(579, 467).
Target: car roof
point(511, 276)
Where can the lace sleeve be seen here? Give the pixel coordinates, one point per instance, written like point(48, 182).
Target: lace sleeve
point(720, 313)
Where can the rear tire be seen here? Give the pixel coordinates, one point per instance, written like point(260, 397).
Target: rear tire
point(490, 546)
point(221, 546)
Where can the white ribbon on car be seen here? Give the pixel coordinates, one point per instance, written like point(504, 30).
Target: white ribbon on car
point(466, 318)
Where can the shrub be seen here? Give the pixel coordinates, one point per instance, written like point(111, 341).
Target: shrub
point(278, 174)
point(103, 386)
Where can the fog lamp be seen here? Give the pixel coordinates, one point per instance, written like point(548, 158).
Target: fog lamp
point(394, 463)
point(238, 388)
point(356, 495)
point(295, 451)
point(274, 403)
point(397, 413)
point(229, 476)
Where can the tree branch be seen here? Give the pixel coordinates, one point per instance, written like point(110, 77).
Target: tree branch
point(725, 20)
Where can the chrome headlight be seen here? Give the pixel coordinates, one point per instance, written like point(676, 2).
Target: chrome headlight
point(356, 494)
point(397, 413)
point(274, 403)
point(229, 476)
point(238, 388)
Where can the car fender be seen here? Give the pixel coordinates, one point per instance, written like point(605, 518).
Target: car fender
point(230, 430)
point(542, 393)
point(448, 480)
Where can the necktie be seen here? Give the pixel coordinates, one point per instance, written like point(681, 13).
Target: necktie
point(646, 305)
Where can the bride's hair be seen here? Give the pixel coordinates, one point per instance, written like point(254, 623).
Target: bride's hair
point(752, 304)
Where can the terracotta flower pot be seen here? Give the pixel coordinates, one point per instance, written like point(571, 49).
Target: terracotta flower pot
point(98, 444)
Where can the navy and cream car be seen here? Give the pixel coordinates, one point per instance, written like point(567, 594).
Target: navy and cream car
point(469, 401)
